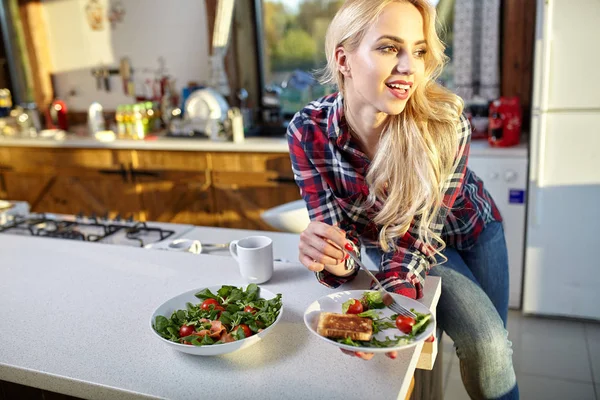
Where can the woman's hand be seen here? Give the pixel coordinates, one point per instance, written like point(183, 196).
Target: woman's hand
point(321, 248)
point(368, 356)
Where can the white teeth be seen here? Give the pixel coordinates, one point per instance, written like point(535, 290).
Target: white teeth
point(398, 86)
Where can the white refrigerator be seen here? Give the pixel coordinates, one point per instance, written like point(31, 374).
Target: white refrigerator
point(562, 254)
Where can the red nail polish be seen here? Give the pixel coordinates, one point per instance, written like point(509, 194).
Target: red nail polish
point(346, 257)
point(348, 247)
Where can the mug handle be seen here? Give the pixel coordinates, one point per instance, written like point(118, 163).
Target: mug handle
point(233, 249)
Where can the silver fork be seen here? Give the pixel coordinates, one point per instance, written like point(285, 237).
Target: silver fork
point(387, 298)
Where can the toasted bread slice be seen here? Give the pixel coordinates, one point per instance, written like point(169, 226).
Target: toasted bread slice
point(341, 326)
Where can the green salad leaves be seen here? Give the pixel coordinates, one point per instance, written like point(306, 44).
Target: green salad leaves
point(230, 314)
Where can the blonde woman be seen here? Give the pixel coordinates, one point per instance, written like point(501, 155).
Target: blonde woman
point(383, 163)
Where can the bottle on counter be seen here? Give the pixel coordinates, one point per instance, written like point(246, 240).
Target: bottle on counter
point(120, 119)
point(150, 117)
point(138, 121)
point(158, 122)
point(5, 103)
point(128, 121)
point(96, 121)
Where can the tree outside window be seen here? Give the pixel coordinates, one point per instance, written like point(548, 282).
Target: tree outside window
point(294, 32)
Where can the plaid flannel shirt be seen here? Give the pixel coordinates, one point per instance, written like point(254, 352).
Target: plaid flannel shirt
point(330, 171)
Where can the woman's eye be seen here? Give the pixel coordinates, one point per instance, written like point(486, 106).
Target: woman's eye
point(388, 49)
point(420, 53)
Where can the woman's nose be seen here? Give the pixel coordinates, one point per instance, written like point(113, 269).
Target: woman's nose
point(405, 64)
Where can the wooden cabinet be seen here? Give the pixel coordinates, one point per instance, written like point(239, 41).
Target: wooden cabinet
point(246, 184)
point(243, 196)
point(200, 188)
point(174, 186)
point(176, 196)
point(88, 192)
point(70, 181)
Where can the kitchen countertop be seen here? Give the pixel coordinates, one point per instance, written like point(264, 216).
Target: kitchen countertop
point(75, 320)
point(251, 144)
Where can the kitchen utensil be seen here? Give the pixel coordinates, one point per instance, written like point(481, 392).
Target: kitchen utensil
point(180, 301)
point(56, 115)
point(388, 299)
point(126, 71)
point(195, 246)
point(505, 122)
point(333, 303)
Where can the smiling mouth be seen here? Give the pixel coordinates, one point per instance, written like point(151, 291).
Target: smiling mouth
point(401, 88)
point(400, 91)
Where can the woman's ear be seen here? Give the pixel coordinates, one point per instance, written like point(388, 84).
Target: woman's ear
point(341, 58)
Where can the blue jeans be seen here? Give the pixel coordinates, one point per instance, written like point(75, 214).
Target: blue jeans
point(473, 309)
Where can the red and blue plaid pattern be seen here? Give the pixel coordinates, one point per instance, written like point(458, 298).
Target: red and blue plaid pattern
point(330, 171)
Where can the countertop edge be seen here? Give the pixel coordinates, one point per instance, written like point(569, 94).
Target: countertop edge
point(262, 145)
point(66, 385)
point(478, 148)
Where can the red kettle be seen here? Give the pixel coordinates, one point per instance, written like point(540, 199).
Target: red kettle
point(56, 115)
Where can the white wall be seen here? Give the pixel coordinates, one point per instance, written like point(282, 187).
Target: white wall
point(173, 29)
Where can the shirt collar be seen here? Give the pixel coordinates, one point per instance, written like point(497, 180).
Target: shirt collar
point(337, 128)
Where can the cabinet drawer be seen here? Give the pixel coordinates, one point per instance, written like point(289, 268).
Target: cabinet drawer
point(169, 160)
point(26, 158)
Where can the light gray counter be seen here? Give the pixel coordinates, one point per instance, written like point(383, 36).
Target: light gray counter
point(75, 320)
point(252, 144)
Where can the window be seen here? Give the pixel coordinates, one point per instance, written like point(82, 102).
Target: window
point(293, 48)
point(294, 42)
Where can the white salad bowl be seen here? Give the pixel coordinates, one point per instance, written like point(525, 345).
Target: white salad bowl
point(179, 303)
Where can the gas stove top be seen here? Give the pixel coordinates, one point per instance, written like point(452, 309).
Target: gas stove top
point(91, 229)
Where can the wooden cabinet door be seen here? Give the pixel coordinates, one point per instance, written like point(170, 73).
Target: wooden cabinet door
point(26, 186)
point(242, 196)
point(73, 192)
point(176, 196)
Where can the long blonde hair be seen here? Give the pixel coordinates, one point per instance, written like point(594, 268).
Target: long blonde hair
point(417, 149)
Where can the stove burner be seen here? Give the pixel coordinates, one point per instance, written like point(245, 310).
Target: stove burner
point(91, 229)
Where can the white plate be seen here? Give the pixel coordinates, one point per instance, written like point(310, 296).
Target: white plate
point(179, 303)
point(333, 303)
point(206, 104)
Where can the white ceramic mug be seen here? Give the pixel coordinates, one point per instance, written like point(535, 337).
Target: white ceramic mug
point(254, 255)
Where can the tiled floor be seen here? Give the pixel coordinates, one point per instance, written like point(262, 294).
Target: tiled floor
point(554, 360)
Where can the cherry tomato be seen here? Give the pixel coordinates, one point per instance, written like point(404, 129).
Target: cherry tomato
point(221, 309)
point(186, 330)
point(250, 309)
point(405, 324)
point(206, 304)
point(247, 331)
point(355, 308)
